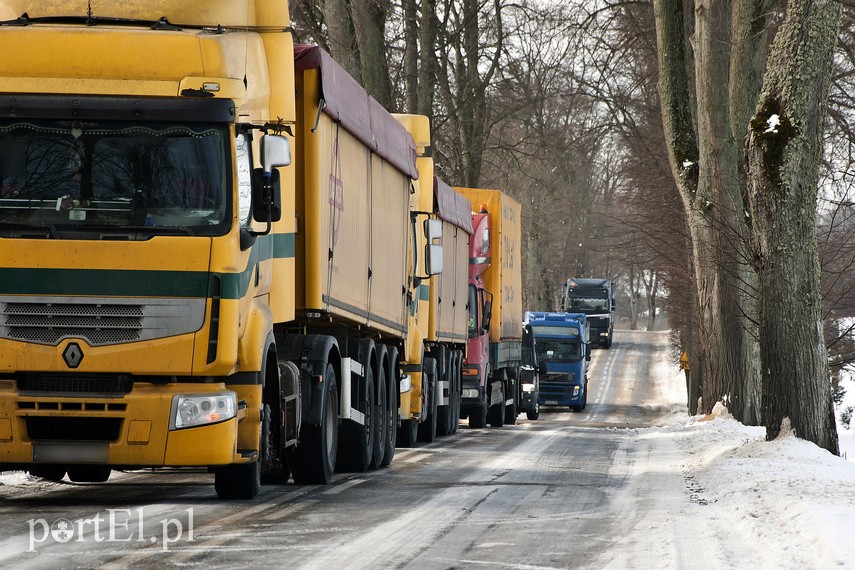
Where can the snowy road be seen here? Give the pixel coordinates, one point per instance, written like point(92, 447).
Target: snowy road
point(609, 487)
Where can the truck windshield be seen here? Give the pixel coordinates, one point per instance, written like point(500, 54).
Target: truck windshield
point(75, 175)
point(587, 301)
point(557, 350)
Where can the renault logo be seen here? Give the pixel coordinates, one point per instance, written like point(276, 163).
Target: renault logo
point(72, 355)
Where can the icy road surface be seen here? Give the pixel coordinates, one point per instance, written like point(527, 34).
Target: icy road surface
point(624, 484)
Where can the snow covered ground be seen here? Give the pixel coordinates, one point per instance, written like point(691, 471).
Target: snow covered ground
point(793, 500)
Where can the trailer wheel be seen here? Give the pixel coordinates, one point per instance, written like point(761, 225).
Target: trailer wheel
point(357, 441)
point(496, 413)
point(513, 411)
point(89, 473)
point(313, 460)
point(381, 416)
point(457, 380)
point(47, 472)
point(444, 413)
point(427, 429)
point(391, 429)
point(392, 390)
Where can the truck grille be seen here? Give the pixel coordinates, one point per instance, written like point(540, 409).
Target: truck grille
point(73, 429)
point(558, 378)
point(98, 321)
point(73, 385)
point(48, 323)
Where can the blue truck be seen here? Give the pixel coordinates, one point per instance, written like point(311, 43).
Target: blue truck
point(595, 298)
point(563, 347)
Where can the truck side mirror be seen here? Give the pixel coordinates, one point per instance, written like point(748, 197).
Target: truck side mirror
point(488, 312)
point(433, 259)
point(433, 229)
point(275, 151)
point(541, 368)
point(264, 190)
point(587, 353)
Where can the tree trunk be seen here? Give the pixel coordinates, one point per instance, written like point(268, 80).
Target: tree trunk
point(784, 150)
point(427, 59)
point(411, 56)
point(369, 21)
point(342, 37)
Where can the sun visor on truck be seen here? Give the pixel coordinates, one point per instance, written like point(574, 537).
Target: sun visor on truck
point(347, 103)
point(451, 206)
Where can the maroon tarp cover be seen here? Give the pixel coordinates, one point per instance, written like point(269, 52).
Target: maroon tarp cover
point(452, 206)
point(347, 103)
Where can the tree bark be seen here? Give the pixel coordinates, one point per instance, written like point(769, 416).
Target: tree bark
point(784, 149)
point(342, 36)
point(369, 22)
point(411, 56)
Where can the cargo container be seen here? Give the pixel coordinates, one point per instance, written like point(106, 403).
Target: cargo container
point(491, 369)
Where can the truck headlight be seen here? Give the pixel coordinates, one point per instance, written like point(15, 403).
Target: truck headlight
point(189, 410)
point(526, 388)
point(470, 392)
point(576, 390)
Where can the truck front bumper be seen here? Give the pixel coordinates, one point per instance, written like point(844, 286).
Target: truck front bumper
point(561, 394)
point(136, 429)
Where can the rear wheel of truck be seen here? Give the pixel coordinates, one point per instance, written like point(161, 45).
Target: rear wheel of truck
point(48, 472)
point(89, 473)
point(381, 416)
point(356, 449)
point(313, 460)
point(427, 429)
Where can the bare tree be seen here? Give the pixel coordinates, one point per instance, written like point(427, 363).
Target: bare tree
point(783, 150)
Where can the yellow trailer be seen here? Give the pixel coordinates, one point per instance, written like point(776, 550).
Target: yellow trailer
point(491, 387)
point(195, 271)
point(441, 313)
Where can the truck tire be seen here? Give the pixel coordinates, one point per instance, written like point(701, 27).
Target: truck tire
point(444, 413)
point(457, 379)
point(534, 414)
point(512, 411)
point(427, 429)
point(381, 416)
point(391, 361)
point(356, 449)
point(478, 416)
point(238, 482)
point(89, 473)
point(496, 413)
point(47, 472)
point(274, 464)
point(313, 460)
point(408, 433)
